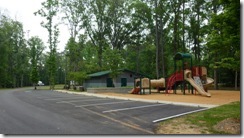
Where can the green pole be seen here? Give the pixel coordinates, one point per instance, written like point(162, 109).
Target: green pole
point(140, 85)
point(191, 73)
point(149, 86)
point(183, 76)
point(174, 71)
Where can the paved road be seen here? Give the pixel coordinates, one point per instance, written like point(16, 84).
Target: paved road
point(26, 111)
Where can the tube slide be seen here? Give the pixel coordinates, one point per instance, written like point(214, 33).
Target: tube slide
point(158, 83)
point(193, 83)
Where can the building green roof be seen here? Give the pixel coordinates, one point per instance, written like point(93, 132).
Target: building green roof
point(101, 73)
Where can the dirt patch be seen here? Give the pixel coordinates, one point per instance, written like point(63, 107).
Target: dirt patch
point(180, 126)
point(219, 97)
point(229, 125)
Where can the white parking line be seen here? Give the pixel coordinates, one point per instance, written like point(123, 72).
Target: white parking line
point(41, 97)
point(81, 100)
point(104, 103)
point(131, 108)
point(53, 99)
point(162, 119)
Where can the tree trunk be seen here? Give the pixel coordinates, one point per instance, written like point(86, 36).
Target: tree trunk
point(114, 82)
point(100, 51)
point(163, 62)
point(157, 42)
point(22, 80)
point(236, 77)
point(183, 27)
point(215, 79)
point(138, 60)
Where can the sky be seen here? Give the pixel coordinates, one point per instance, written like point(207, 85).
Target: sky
point(22, 11)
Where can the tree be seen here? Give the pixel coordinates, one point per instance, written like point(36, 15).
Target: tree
point(95, 24)
point(78, 77)
point(162, 18)
point(36, 46)
point(73, 13)
point(90, 58)
point(5, 28)
point(49, 11)
point(225, 37)
point(14, 54)
point(113, 61)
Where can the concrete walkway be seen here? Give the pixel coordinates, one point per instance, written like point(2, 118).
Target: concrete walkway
point(138, 99)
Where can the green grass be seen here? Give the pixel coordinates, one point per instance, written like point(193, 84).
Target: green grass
point(213, 116)
point(47, 87)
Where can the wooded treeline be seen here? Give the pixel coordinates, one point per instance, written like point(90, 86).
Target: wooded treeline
point(140, 35)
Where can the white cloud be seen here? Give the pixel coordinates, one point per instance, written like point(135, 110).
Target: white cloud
point(23, 11)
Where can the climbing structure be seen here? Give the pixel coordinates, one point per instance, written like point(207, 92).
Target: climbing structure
point(184, 74)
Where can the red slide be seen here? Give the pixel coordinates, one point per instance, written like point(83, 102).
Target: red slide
point(135, 90)
point(177, 76)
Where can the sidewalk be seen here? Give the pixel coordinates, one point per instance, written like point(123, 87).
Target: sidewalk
point(144, 98)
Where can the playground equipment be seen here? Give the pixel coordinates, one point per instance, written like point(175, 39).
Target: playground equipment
point(195, 76)
point(146, 83)
point(197, 85)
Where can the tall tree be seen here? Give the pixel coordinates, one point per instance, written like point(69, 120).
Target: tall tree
point(162, 18)
point(113, 61)
point(4, 40)
point(73, 15)
point(48, 11)
point(225, 37)
point(37, 47)
point(95, 24)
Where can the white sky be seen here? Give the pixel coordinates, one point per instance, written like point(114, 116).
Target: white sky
point(23, 11)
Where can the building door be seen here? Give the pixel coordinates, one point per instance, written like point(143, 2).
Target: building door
point(110, 82)
point(123, 82)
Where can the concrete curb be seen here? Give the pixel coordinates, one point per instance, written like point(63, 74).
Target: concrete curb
point(137, 99)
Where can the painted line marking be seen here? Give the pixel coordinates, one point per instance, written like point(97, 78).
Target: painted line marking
point(53, 99)
point(70, 103)
point(104, 103)
point(133, 126)
point(59, 96)
point(81, 100)
point(131, 108)
point(162, 119)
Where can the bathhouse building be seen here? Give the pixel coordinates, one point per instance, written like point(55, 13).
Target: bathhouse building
point(103, 79)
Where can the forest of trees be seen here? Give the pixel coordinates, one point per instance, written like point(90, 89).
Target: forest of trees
point(140, 35)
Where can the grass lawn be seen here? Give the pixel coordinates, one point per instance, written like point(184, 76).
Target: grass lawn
point(224, 119)
point(47, 87)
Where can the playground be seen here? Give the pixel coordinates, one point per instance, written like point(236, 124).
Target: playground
point(187, 77)
point(188, 84)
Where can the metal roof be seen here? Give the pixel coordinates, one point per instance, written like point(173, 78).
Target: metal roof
point(101, 73)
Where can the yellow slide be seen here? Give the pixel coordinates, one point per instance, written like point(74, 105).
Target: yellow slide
point(188, 78)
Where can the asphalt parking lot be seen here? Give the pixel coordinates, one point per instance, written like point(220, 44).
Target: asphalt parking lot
point(101, 115)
